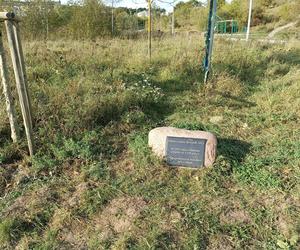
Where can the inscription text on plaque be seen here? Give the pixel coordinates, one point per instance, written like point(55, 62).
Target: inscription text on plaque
point(186, 152)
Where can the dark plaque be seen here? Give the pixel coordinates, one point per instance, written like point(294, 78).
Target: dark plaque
point(186, 152)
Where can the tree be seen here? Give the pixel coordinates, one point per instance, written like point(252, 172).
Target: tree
point(90, 20)
point(112, 3)
point(191, 15)
point(125, 22)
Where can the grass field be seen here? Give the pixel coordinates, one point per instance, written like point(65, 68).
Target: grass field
point(94, 184)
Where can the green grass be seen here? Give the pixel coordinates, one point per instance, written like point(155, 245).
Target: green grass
point(93, 174)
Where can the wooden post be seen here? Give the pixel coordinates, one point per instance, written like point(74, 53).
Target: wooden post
point(7, 93)
point(7, 15)
point(23, 70)
point(20, 82)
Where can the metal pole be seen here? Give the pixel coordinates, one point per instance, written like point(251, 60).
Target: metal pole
point(210, 37)
point(112, 17)
point(173, 21)
point(149, 29)
point(249, 19)
point(47, 22)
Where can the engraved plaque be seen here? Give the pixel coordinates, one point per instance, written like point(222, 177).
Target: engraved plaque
point(186, 152)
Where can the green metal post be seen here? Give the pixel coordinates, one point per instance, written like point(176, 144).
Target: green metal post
point(210, 37)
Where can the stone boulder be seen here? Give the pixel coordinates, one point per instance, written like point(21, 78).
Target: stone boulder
point(158, 136)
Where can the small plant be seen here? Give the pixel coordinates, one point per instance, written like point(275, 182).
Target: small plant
point(144, 89)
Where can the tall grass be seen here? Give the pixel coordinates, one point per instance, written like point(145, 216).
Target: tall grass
point(94, 183)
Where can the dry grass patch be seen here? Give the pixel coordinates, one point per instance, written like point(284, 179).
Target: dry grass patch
point(119, 215)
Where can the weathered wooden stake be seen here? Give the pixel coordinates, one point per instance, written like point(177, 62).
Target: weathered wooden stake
point(20, 77)
point(23, 70)
point(7, 93)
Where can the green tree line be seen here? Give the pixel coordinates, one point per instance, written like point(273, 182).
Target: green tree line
point(193, 14)
point(89, 19)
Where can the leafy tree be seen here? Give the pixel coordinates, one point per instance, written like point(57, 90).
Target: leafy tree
point(90, 20)
point(125, 22)
point(191, 15)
